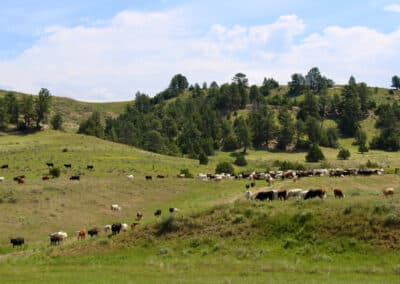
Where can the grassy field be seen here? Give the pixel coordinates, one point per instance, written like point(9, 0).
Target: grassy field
point(217, 237)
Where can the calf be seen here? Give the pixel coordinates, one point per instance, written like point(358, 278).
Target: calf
point(2, 179)
point(134, 225)
point(116, 228)
point(4, 166)
point(248, 194)
point(107, 228)
point(265, 195)
point(93, 232)
point(173, 210)
point(247, 186)
point(55, 239)
point(116, 207)
point(388, 191)
point(50, 164)
point(17, 242)
point(21, 180)
point(45, 178)
point(312, 193)
point(148, 177)
point(338, 193)
point(68, 166)
point(75, 178)
point(90, 167)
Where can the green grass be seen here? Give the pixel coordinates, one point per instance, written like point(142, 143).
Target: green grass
point(217, 237)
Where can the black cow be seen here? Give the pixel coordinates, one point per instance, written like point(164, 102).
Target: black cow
point(148, 177)
point(50, 164)
point(75, 178)
point(282, 194)
point(90, 167)
point(157, 213)
point(93, 232)
point(67, 165)
point(265, 195)
point(55, 239)
point(253, 184)
point(17, 242)
point(116, 228)
point(160, 176)
point(4, 166)
point(312, 193)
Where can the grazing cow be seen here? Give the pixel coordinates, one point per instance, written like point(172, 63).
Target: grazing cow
point(265, 195)
point(107, 228)
point(21, 180)
point(248, 194)
point(81, 235)
point(282, 195)
point(2, 179)
point(4, 166)
point(68, 166)
point(173, 210)
point(148, 177)
point(388, 191)
point(297, 192)
point(75, 178)
point(129, 176)
point(17, 242)
point(45, 178)
point(303, 194)
point(124, 227)
point(338, 193)
point(116, 228)
point(252, 184)
point(157, 213)
point(57, 237)
point(139, 216)
point(247, 186)
point(90, 167)
point(50, 164)
point(160, 176)
point(116, 207)
point(312, 193)
point(269, 180)
point(93, 232)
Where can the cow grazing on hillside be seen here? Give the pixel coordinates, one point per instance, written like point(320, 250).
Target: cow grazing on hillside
point(148, 177)
point(116, 207)
point(116, 228)
point(160, 176)
point(57, 237)
point(338, 193)
point(129, 176)
point(17, 242)
point(93, 232)
point(157, 213)
point(68, 166)
point(21, 180)
point(247, 186)
point(4, 167)
point(107, 228)
point(313, 193)
point(173, 210)
point(75, 178)
point(282, 195)
point(388, 191)
point(265, 195)
point(90, 167)
point(45, 178)
point(252, 184)
point(50, 164)
point(81, 235)
point(248, 194)
point(134, 225)
point(124, 227)
point(294, 193)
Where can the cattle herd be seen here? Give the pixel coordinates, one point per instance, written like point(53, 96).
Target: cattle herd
point(261, 195)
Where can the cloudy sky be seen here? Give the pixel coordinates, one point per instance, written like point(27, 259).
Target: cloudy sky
point(107, 50)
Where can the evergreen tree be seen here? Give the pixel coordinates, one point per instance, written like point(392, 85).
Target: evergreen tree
point(296, 85)
point(396, 82)
point(92, 126)
point(351, 110)
point(287, 130)
point(309, 107)
point(203, 159)
point(315, 154)
point(243, 133)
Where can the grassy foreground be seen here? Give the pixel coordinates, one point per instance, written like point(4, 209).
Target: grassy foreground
point(217, 237)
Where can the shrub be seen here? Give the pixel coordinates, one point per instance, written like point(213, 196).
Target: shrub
point(167, 225)
point(224, 167)
point(392, 220)
point(186, 173)
point(55, 172)
point(230, 143)
point(314, 154)
point(287, 165)
point(343, 154)
point(56, 122)
point(240, 161)
point(203, 159)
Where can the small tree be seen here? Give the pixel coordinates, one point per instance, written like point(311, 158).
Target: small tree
point(203, 159)
point(314, 154)
point(224, 167)
point(56, 122)
point(343, 154)
point(362, 148)
point(240, 161)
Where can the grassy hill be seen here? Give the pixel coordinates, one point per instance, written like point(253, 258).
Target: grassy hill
point(216, 237)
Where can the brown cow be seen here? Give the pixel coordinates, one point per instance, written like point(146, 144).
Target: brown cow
point(81, 235)
point(45, 178)
point(338, 193)
point(388, 191)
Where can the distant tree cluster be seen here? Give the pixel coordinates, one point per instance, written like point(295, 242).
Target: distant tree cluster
point(28, 113)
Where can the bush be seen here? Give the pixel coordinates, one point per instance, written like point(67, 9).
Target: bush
point(392, 220)
point(187, 173)
point(287, 165)
point(167, 225)
point(240, 161)
point(343, 154)
point(314, 154)
point(55, 172)
point(203, 159)
point(56, 122)
point(224, 167)
point(230, 143)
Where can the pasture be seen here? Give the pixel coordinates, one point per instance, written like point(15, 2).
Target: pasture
point(216, 237)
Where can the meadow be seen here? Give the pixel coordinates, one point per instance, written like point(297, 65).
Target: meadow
point(216, 237)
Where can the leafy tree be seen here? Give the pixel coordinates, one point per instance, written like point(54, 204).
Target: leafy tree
point(396, 82)
point(11, 107)
point(314, 130)
point(153, 141)
point(177, 85)
point(55, 172)
point(316, 82)
point(92, 126)
point(287, 130)
point(364, 95)
point(224, 167)
point(314, 154)
point(330, 137)
point(42, 106)
point(362, 148)
point(343, 154)
point(241, 79)
point(360, 137)
point(296, 85)
point(27, 112)
point(57, 121)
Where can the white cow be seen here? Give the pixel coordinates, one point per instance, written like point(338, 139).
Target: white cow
point(116, 207)
point(303, 194)
point(2, 179)
point(107, 228)
point(249, 194)
point(124, 227)
point(294, 193)
point(130, 176)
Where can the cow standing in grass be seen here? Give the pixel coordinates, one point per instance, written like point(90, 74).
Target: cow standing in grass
point(17, 242)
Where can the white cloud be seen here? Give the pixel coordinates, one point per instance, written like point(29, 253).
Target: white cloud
point(392, 8)
point(142, 51)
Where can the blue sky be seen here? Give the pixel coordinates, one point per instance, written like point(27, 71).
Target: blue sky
point(107, 50)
